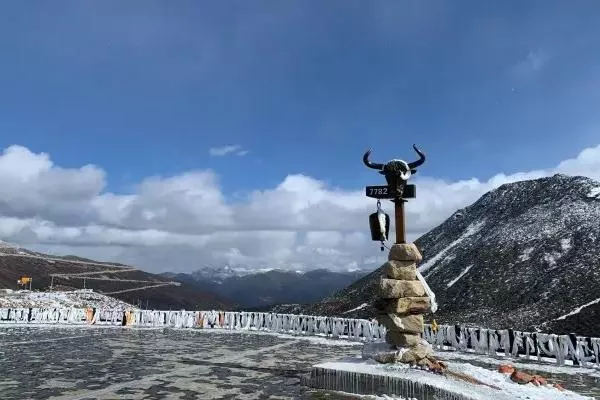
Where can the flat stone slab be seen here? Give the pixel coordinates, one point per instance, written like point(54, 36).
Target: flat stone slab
point(367, 377)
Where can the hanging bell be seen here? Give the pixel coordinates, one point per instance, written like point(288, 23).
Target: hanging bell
point(379, 222)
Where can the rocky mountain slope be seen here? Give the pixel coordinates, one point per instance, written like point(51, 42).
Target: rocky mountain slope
point(525, 255)
point(117, 280)
point(274, 286)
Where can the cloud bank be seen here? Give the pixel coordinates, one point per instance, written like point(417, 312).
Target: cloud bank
point(234, 149)
point(184, 222)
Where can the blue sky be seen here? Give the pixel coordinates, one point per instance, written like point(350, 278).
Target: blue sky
point(493, 92)
point(147, 88)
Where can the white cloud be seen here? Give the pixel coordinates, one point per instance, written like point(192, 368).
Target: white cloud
point(184, 222)
point(235, 149)
point(531, 65)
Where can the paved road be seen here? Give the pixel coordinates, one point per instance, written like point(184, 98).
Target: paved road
point(118, 363)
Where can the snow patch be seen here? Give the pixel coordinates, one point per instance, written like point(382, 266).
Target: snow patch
point(520, 363)
point(526, 254)
point(470, 231)
point(578, 309)
point(464, 271)
point(417, 379)
point(551, 258)
point(566, 244)
point(448, 258)
point(594, 192)
point(363, 305)
point(312, 339)
point(428, 291)
point(72, 299)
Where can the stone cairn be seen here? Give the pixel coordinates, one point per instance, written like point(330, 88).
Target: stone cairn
point(402, 301)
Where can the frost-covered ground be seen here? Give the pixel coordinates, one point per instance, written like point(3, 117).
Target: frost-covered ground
point(77, 299)
point(66, 363)
point(119, 363)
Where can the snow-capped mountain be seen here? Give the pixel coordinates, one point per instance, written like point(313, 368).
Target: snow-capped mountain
point(221, 273)
point(525, 255)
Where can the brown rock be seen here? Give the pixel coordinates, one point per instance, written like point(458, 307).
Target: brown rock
point(422, 351)
point(403, 306)
point(559, 387)
point(437, 366)
point(405, 252)
point(395, 289)
point(402, 339)
point(539, 380)
point(425, 363)
point(410, 305)
point(408, 357)
point(416, 354)
point(401, 270)
point(406, 324)
point(506, 369)
point(521, 377)
point(386, 358)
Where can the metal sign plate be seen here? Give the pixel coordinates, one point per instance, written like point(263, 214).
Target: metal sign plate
point(410, 192)
point(383, 192)
point(378, 192)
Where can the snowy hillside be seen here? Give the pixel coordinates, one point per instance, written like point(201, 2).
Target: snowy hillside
point(77, 299)
point(526, 256)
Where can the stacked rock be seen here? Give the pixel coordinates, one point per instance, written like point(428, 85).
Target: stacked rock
point(401, 304)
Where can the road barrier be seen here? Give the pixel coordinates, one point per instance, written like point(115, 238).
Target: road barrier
point(580, 351)
point(343, 328)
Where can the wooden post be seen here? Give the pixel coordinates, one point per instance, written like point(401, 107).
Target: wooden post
point(400, 228)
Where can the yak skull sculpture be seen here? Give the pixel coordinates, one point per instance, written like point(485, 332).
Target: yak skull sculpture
point(396, 172)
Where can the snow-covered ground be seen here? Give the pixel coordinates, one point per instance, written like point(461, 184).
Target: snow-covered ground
point(356, 370)
point(531, 364)
point(73, 299)
point(302, 352)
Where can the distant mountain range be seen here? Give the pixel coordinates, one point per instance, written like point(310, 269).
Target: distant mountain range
point(271, 286)
point(525, 255)
point(220, 273)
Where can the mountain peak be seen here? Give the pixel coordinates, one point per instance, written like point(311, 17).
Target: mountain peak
point(512, 199)
point(521, 256)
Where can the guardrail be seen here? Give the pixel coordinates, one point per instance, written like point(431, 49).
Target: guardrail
point(583, 351)
point(343, 328)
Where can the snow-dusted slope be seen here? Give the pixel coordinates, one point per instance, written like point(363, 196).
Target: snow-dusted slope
point(76, 298)
point(526, 256)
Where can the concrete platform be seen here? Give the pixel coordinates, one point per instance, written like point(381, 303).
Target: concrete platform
point(367, 377)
